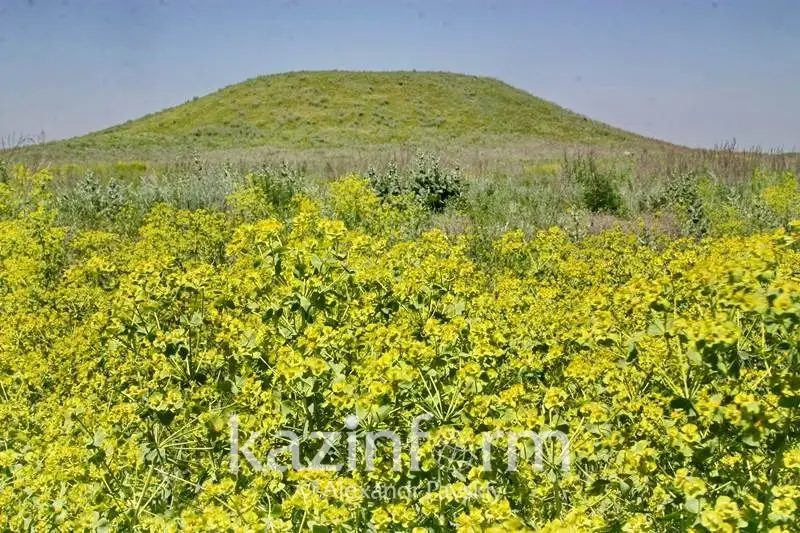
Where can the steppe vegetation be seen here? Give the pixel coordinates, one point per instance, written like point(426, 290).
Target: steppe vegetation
point(642, 299)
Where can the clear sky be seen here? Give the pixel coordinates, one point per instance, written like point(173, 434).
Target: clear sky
point(693, 72)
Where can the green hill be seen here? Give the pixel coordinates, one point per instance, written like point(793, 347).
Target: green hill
point(302, 110)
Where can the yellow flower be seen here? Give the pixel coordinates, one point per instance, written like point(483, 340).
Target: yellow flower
point(791, 459)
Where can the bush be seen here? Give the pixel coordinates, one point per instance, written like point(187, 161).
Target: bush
point(92, 201)
point(436, 187)
point(599, 188)
point(389, 182)
point(682, 196)
point(432, 185)
point(277, 185)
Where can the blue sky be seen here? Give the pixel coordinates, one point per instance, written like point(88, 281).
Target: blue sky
point(693, 72)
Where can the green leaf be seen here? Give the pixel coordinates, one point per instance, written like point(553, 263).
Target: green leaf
point(692, 505)
point(789, 401)
point(633, 353)
point(752, 438)
point(249, 340)
point(694, 357)
point(656, 328)
point(305, 303)
point(196, 320)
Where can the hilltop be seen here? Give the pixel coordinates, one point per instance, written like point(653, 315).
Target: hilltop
point(339, 109)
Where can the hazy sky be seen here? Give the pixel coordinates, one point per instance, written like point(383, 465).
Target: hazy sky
point(692, 72)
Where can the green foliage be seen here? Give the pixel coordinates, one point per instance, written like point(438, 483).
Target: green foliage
point(122, 171)
point(277, 185)
point(495, 204)
point(683, 196)
point(434, 186)
point(93, 200)
point(600, 188)
point(389, 181)
point(27, 193)
point(672, 370)
point(708, 205)
point(724, 208)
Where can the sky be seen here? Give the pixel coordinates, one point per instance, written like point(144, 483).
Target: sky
point(693, 72)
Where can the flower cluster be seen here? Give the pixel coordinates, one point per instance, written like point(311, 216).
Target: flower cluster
point(674, 372)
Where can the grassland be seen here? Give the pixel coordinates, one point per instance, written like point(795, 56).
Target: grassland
point(523, 162)
point(342, 110)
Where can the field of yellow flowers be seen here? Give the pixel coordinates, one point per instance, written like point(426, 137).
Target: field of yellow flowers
point(672, 368)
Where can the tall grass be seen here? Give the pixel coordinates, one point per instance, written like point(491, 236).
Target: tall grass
point(693, 193)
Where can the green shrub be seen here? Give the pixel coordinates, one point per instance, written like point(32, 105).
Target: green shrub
point(682, 195)
point(599, 188)
point(277, 185)
point(92, 201)
point(433, 185)
point(389, 182)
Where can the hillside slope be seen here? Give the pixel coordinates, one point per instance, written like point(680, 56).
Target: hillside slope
point(341, 109)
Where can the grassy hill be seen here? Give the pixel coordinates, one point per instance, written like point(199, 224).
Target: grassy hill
point(302, 110)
